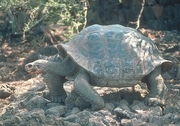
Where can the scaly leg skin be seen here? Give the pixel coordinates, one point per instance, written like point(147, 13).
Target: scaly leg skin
point(84, 89)
point(55, 85)
point(75, 100)
point(158, 90)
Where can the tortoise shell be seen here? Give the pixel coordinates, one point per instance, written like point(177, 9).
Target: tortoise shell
point(115, 52)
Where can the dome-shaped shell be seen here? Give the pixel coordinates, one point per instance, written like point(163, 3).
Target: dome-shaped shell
point(115, 52)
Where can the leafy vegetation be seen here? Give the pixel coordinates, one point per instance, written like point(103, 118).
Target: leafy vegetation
point(23, 15)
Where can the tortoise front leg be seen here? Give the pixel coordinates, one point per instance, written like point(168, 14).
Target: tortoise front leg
point(157, 88)
point(85, 90)
point(55, 85)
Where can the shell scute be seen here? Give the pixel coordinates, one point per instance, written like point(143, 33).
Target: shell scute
point(127, 68)
point(111, 69)
point(113, 45)
point(92, 46)
point(96, 67)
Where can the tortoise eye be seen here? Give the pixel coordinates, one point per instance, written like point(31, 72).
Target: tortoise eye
point(29, 66)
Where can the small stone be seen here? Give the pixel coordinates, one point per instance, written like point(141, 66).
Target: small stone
point(156, 110)
point(110, 120)
point(31, 118)
point(57, 111)
point(151, 111)
point(144, 114)
point(5, 91)
point(123, 113)
point(52, 120)
point(139, 106)
point(71, 118)
point(127, 122)
point(36, 102)
point(141, 88)
point(59, 122)
point(37, 86)
point(134, 122)
point(52, 104)
point(104, 112)
point(109, 106)
point(124, 105)
point(176, 118)
point(95, 122)
point(75, 110)
point(160, 120)
point(66, 123)
point(84, 117)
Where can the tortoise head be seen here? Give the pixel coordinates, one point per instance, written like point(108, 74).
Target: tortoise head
point(63, 65)
point(36, 67)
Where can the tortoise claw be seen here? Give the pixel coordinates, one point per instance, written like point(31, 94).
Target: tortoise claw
point(58, 98)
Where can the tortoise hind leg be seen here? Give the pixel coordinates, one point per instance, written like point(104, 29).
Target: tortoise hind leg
point(157, 88)
point(85, 90)
point(55, 85)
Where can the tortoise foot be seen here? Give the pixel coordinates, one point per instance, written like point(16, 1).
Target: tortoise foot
point(154, 101)
point(57, 98)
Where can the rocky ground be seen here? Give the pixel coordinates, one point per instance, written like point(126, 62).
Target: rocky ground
point(23, 101)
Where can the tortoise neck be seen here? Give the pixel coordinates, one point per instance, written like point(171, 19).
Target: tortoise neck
point(66, 67)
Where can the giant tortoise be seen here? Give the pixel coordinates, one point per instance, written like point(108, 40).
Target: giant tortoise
point(105, 56)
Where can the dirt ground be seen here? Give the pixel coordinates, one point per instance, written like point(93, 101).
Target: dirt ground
point(13, 55)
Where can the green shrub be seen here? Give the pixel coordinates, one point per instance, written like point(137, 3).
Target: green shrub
point(25, 14)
